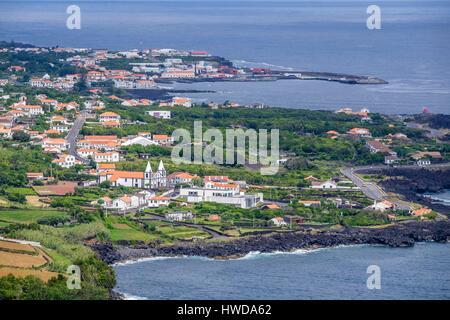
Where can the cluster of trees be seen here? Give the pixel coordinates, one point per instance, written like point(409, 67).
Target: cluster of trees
point(39, 64)
point(16, 162)
point(97, 281)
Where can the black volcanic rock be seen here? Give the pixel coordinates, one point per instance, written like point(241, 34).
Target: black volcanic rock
point(399, 235)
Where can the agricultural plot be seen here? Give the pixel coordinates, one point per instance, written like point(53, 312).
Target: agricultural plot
point(44, 275)
point(22, 260)
point(131, 235)
point(182, 232)
point(28, 216)
point(24, 191)
point(176, 231)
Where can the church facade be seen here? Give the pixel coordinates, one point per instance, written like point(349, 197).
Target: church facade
point(148, 179)
point(157, 179)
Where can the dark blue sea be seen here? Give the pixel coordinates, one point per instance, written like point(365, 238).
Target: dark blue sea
point(420, 272)
point(410, 50)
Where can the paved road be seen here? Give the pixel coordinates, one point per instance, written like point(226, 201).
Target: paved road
point(370, 189)
point(73, 134)
point(375, 192)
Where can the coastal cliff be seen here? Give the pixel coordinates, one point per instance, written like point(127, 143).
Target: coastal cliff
point(398, 235)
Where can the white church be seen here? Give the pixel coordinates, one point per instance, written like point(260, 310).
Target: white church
point(148, 179)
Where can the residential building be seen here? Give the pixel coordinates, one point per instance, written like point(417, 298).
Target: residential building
point(105, 167)
point(323, 184)
point(109, 116)
point(391, 159)
point(155, 202)
point(106, 157)
point(224, 195)
point(179, 216)
point(310, 203)
point(162, 139)
point(66, 161)
point(422, 211)
point(7, 121)
point(173, 73)
point(360, 132)
point(30, 110)
point(180, 101)
point(178, 178)
point(278, 222)
point(58, 143)
point(99, 142)
point(159, 114)
point(435, 155)
point(376, 146)
point(382, 206)
point(32, 176)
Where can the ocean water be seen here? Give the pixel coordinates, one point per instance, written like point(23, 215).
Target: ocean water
point(410, 51)
point(420, 272)
point(442, 197)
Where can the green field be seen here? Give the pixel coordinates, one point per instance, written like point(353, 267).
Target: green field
point(24, 191)
point(176, 231)
point(27, 216)
point(182, 232)
point(131, 234)
point(3, 224)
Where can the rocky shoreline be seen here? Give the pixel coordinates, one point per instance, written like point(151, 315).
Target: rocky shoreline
point(412, 182)
point(397, 235)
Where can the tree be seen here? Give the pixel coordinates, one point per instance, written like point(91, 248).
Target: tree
point(21, 136)
point(81, 85)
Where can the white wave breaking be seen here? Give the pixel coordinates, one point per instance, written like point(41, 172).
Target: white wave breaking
point(248, 256)
point(127, 296)
point(246, 63)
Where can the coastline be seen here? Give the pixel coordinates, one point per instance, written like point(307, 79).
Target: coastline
point(413, 183)
point(397, 235)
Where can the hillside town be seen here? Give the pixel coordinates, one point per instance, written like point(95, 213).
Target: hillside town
point(79, 148)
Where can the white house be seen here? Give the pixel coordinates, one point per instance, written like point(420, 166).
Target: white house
point(160, 114)
point(278, 221)
point(109, 116)
point(382, 206)
point(181, 101)
point(225, 195)
point(323, 185)
point(125, 202)
point(86, 153)
point(29, 110)
point(179, 216)
point(391, 159)
point(58, 143)
point(61, 128)
point(66, 161)
point(178, 178)
point(423, 162)
point(106, 156)
point(155, 202)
